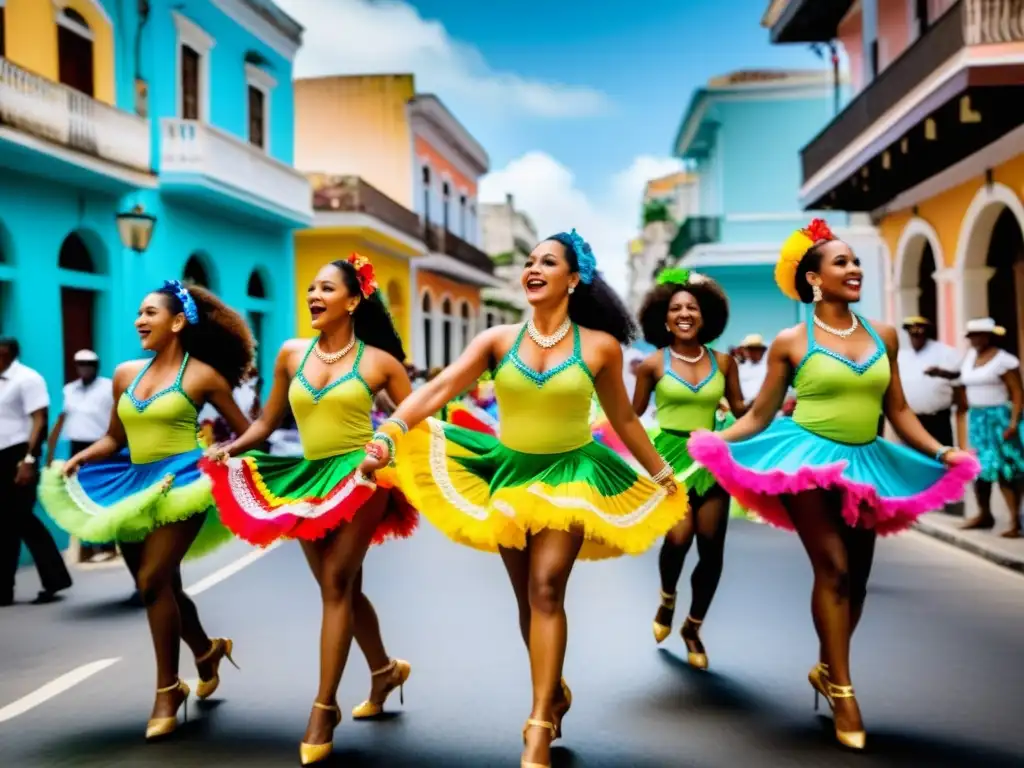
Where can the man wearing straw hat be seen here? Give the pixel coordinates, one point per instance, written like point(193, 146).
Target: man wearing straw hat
point(931, 388)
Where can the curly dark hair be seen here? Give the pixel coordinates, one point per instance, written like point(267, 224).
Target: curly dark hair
point(809, 262)
point(371, 320)
point(221, 338)
point(714, 310)
point(596, 305)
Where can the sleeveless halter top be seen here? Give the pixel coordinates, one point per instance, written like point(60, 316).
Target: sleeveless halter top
point(162, 425)
point(544, 412)
point(838, 398)
point(682, 407)
point(333, 420)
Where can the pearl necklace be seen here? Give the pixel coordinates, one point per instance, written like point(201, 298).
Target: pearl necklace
point(684, 358)
point(330, 359)
point(547, 342)
point(843, 334)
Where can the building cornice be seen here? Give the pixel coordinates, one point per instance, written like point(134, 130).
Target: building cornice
point(274, 27)
point(432, 112)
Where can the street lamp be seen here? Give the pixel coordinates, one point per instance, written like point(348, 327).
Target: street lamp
point(136, 228)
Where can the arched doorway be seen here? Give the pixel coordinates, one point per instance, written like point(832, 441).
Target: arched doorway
point(917, 259)
point(195, 272)
point(256, 289)
point(427, 307)
point(928, 298)
point(467, 325)
point(395, 296)
point(78, 305)
point(74, 51)
point(1006, 287)
point(446, 331)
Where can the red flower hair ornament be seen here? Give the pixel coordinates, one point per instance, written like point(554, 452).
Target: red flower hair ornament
point(364, 274)
point(818, 230)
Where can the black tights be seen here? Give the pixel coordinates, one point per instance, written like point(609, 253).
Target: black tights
point(707, 523)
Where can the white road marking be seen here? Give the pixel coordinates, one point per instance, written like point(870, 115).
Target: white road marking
point(54, 688)
point(229, 570)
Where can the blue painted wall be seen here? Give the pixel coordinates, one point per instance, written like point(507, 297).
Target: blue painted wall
point(39, 210)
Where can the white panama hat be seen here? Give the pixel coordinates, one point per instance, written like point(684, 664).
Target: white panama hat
point(984, 325)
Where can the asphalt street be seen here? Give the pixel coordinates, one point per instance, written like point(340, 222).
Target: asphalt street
point(936, 665)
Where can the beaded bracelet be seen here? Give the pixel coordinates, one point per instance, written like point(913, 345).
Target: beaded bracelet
point(391, 428)
point(664, 473)
point(398, 423)
point(941, 453)
point(386, 439)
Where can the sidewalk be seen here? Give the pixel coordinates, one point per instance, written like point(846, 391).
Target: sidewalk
point(1008, 553)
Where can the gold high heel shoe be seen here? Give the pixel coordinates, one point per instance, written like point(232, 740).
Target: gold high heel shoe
point(403, 669)
point(220, 649)
point(163, 726)
point(696, 659)
point(849, 739)
point(531, 723)
point(668, 602)
point(317, 753)
point(567, 695)
point(818, 678)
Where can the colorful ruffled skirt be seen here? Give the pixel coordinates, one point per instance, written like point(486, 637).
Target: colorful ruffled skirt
point(1001, 459)
point(485, 495)
point(689, 474)
point(116, 500)
point(263, 498)
point(884, 486)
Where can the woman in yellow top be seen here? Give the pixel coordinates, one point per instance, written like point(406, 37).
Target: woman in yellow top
point(320, 498)
point(681, 315)
point(544, 493)
point(140, 485)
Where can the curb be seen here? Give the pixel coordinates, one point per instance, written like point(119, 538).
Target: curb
point(1015, 564)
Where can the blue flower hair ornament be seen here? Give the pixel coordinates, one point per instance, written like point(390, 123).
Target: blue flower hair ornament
point(584, 258)
point(188, 304)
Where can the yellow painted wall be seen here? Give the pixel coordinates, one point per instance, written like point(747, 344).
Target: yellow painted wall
point(316, 247)
point(31, 40)
point(945, 211)
point(357, 125)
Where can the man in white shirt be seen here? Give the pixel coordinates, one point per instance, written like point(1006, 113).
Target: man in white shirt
point(88, 402)
point(754, 366)
point(931, 393)
point(24, 402)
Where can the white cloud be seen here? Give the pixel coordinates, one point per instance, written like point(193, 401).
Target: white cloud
point(349, 37)
point(546, 191)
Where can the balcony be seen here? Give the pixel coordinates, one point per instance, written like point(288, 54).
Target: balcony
point(806, 21)
point(910, 122)
point(206, 166)
point(49, 129)
point(351, 194)
point(694, 231)
point(453, 257)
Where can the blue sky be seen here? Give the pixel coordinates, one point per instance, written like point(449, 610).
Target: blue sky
point(577, 103)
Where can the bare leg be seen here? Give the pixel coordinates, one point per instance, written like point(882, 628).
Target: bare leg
point(1011, 495)
point(552, 555)
point(983, 495)
point(815, 514)
point(161, 556)
point(340, 556)
point(860, 547)
point(517, 564)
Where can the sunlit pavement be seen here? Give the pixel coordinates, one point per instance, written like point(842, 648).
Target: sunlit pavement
point(937, 665)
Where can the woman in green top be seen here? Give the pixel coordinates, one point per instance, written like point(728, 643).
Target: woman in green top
point(682, 314)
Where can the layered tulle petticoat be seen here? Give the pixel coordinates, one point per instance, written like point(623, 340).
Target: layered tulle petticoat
point(116, 500)
point(1001, 460)
point(483, 494)
point(884, 486)
point(263, 498)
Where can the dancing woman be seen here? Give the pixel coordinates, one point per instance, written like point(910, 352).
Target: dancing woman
point(320, 498)
point(681, 315)
point(151, 498)
point(825, 472)
point(544, 493)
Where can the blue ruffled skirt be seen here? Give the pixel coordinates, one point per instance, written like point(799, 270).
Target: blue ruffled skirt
point(1001, 460)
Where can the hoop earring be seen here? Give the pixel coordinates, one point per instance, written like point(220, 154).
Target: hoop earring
point(816, 293)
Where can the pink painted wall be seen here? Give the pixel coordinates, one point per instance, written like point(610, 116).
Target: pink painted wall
point(849, 35)
point(893, 30)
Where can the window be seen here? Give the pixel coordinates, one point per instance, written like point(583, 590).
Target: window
point(260, 85)
point(873, 60)
point(193, 67)
point(195, 272)
point(74, 51)
point(445, 199)
point(467, 326)
point(426, 194)
point(446, 332)
point(921, 16)
point(428, 327)
point(462, 215)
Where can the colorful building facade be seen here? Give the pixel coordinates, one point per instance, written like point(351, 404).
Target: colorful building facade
point(183, 115)
point(932, 146)
point(747, 198)
point(508, 236)
point(412, 151)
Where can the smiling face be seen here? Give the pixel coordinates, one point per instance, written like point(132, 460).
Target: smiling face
point(547, 274)
point(157, 323)
point(328, 298)
point(684, 319)
point(839, 275)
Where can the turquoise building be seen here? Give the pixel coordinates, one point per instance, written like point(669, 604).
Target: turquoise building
point(142, 140)
point(740, 137)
